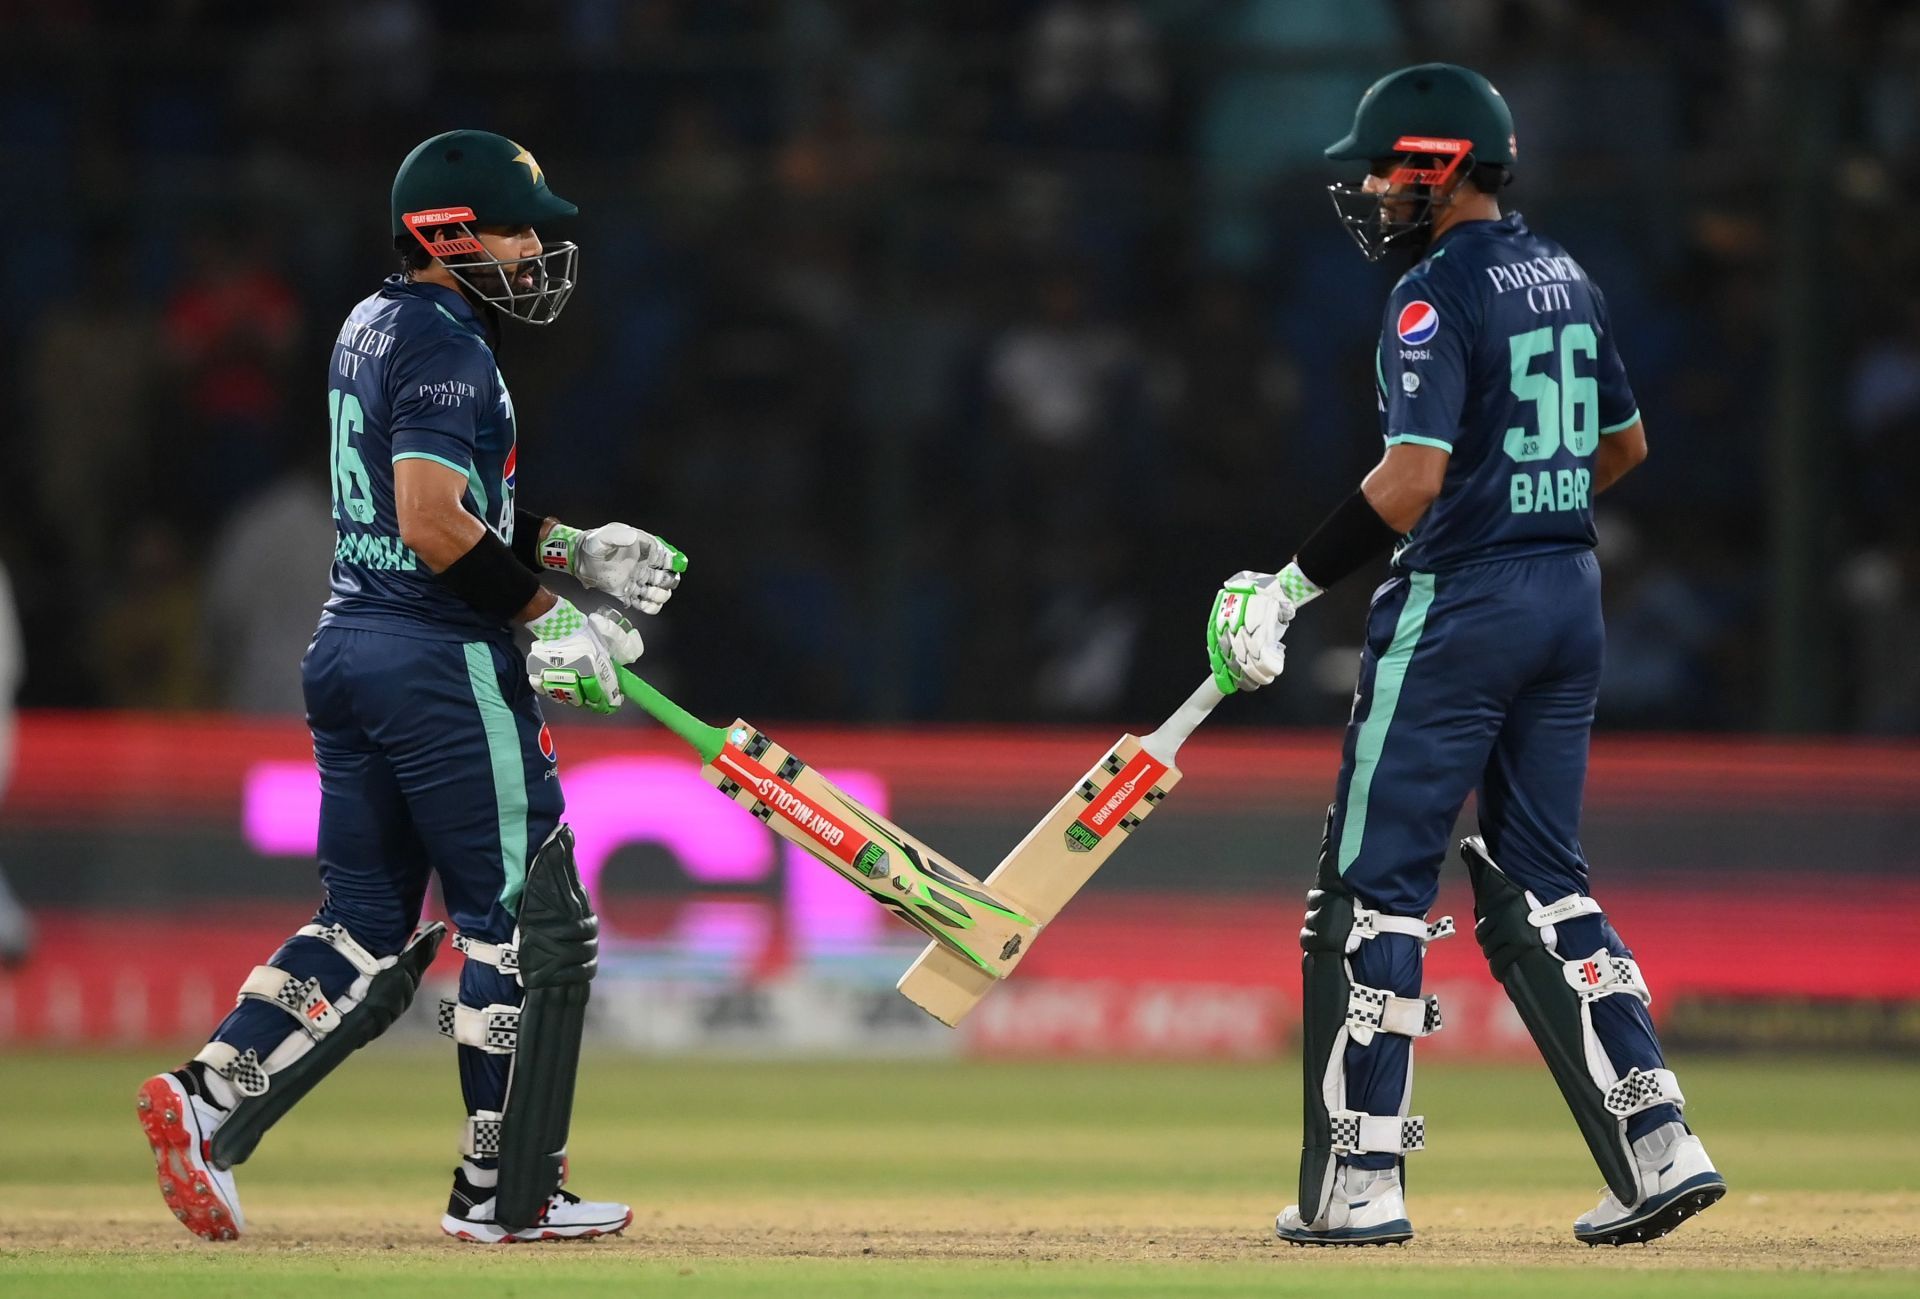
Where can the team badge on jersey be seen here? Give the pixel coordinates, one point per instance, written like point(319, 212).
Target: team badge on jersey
point(1419, 322)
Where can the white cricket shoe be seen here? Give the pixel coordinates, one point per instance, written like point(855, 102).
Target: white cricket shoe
point(469, 1216)
point(1677, 1180)
point(179, 1125)
point(1366, 1208)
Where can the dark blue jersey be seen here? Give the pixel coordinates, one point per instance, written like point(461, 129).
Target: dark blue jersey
point(1497, 350)
point(413, 376)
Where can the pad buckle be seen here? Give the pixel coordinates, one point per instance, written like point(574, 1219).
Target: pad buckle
point(482, 1137)
point(1355, 1133)
point(1546, 915)
point(1368, 923)
point(494, 1029)
point(1642, 1089)
point(1371, 1010)
point(1603, 974)
point(300, 998)
point(337, 937)
point(242, 1069)
point(504, 957)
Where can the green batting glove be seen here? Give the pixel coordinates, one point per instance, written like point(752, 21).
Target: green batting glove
point(1228, 616)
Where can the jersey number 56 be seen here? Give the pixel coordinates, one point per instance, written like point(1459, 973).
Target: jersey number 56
point(1566, 408)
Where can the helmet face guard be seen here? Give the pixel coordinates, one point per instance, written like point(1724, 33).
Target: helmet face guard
point(1426, 165)
point(486, 276)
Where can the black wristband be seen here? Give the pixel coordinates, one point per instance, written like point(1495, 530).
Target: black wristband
point(491, 579)
point(526, 537)
point(1353, 534)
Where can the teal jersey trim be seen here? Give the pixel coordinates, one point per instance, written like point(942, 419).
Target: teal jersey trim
point(479, 492)
point(462, 325)
point(473, 478)
point(1419, 441)
point(1626, 423)
point(509, 771)
point(464, 470)
point(1388, 676)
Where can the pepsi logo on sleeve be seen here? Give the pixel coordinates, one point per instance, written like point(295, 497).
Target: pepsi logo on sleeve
point(1419, 322)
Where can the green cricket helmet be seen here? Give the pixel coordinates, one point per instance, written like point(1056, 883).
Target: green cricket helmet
point(461, 180)
point(1418, 128)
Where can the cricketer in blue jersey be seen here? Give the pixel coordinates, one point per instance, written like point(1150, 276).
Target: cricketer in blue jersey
point(433, 757)
point(1505, 410)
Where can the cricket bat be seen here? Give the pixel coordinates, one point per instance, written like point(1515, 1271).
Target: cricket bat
point(964, 918)
point(1041, 874)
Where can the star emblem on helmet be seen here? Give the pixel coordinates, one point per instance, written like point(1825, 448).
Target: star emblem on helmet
point(532, 167)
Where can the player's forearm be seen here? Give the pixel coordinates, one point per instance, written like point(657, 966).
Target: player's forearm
point(1401, 502)
point(440, 537)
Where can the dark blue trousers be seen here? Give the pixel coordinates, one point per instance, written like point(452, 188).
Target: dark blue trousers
point(1481, 678)
point(432, 762)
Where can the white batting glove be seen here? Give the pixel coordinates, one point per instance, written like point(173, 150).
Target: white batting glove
point(1250, 616)
point(573, 655)
point(636, 568)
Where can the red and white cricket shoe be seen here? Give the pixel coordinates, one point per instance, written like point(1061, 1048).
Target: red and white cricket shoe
point(469, 1216)
point(178, 1126)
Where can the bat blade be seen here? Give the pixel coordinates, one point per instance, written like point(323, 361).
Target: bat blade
point(1045, 870)
point(968, 921)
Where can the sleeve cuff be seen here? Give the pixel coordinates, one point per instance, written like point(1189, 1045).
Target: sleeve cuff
point(1419, 440)
point(462, 470)
point(1626, 423)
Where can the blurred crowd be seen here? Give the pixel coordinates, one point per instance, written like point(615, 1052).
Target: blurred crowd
point(964, 344)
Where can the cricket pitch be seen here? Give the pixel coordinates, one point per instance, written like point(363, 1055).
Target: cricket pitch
point(899, 1179)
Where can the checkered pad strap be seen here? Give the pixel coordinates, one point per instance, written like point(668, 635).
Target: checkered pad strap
point(1368, 923)
point(240, 1068)
point(300, 998)
point(1642, 1089)
point(337, 937)
point(494, 1029)
point(504, 957)
point(1603, 974)
point(1355, 1133)
point(481, 1140)
point(1375, 1010)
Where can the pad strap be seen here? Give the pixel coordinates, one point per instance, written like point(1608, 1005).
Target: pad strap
point(1547, 915)
point(337, 937)
point(1371, 1010)
point(242, 1069)
point(1368, 923)
point(300, 998)
point(1642, 1089)
point(1355, 1133)
point(481, 1139)
point(1603, 974)
point(494, 1029)
point(504, 957)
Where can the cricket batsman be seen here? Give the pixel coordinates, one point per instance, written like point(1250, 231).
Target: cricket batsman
point(427, 732)
point(1506, 410)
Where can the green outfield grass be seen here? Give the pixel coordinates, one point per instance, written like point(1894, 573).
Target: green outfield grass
point(924, 1179)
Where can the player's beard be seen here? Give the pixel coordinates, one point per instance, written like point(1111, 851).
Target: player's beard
point(522, 278)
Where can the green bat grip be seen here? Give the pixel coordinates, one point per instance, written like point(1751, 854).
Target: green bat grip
point(707, 741)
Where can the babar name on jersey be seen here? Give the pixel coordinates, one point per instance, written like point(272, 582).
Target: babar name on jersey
point(1542, 490)
point(1543, 280)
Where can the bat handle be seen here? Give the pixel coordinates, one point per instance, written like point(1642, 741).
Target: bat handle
point(1165, 742)
point(706, 740)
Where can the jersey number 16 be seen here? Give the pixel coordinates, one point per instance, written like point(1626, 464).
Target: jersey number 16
point(350, 485)
point(1567, 408)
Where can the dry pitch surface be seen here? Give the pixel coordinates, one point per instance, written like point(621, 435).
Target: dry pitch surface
point(894, 1179)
